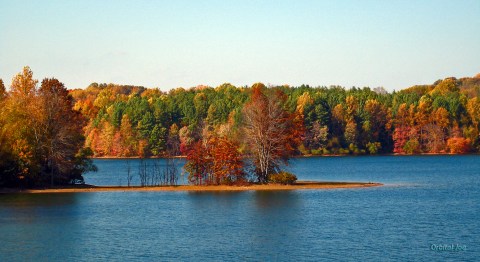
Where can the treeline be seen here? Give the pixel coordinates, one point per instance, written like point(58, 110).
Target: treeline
point(41, 136)
point(131, 121)
point(228, 134)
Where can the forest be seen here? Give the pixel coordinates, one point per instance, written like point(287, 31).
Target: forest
point(50, 132)
point(133, 121)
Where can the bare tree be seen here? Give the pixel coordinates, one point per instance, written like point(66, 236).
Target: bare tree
point(270, 131)
point(143, 172)
point(128, 167)
point(170, 173)
point(156, 173)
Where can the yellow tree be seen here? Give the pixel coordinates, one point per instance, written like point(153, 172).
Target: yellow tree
point(8, 165)
point(22, 109)
point(45, 132)
point(422, 118)
point(436, 130)
point(304, 100)
point(23, 84)
point(338, 123)
point(403, 127)
point(127, 137)
point(448, 85)
point(473, 109)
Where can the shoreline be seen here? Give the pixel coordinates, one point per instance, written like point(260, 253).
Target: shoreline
point(302, 156)
point(300, 185)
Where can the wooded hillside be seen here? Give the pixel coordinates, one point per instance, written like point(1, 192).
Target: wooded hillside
point(443, 117)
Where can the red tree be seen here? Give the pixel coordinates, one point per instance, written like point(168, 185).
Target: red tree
point(227, 162)
point(198, 164)
point(215, 162)
point(270, 131)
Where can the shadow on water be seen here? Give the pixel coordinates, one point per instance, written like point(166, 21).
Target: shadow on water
point(266, 200)
point(29, 208)
point(274, 221)
point(37, 224)
point(261, 200)
point(220, 200)
point(258, 201)
point(38, 200)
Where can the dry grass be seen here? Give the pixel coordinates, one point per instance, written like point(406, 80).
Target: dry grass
point(297, 186)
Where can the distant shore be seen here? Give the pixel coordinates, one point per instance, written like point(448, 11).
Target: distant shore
point(300, 185)
point(301, 156)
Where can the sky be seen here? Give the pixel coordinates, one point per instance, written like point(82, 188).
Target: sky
point(169, 44)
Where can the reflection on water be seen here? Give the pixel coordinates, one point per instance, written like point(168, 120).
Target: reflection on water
point(38, 200)
point(35, 225)
point(30, 207)
point(266, 199)
point(113, 172)
point(277, 220)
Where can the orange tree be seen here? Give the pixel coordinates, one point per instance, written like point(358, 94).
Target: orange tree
point(45, 137)
point(227, 164)
point(214, 161)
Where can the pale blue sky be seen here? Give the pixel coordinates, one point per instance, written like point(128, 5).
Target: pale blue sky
point(168, 44)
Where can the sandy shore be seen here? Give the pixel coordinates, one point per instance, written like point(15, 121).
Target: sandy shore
point(298, 186)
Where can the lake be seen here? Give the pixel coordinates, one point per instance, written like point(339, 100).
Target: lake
point(428, 210)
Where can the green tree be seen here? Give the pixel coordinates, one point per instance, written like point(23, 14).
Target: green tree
point(146, 125)
point(374, 125)
point(157, 140)
point(201, 105)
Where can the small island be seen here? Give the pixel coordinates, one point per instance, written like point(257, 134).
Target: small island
point(300, 185)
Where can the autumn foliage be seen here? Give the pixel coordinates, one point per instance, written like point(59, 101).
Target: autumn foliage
point(215, 161)
point(225, 130)
point(271, 132)
point(458, 145)
point(41, 135)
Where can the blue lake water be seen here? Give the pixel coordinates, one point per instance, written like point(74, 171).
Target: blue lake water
point(427, 202)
